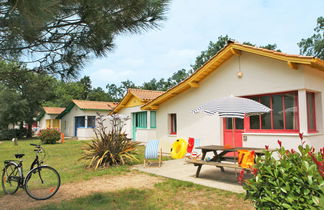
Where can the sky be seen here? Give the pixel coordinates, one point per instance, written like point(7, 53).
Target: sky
point(192, 24)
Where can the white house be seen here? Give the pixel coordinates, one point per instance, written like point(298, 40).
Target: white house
point(47, 118)
point(142, 123)
point(291, 85)
point(79, 118)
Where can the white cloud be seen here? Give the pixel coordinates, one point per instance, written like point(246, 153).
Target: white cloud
point(104, 76)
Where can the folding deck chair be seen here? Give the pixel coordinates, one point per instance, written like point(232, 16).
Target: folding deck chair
point(152, 152)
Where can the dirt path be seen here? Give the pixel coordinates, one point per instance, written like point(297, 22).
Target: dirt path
point(73, 190)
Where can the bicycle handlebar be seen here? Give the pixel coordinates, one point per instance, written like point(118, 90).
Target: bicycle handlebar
point(36, 145)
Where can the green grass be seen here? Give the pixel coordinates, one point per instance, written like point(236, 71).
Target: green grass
point(63, 157)
point(171, 194)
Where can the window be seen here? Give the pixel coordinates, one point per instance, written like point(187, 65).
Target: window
point(141, 119)
point(173, 123)
point(80, 121)
point(48, 123)
point(283, 115)
point(153, 119)
point(239, 123)
point(91, 121)
point(311, 117)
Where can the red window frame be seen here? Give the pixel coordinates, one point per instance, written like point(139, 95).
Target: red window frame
point(272, 130)
point(311, 130)
point(173, 124)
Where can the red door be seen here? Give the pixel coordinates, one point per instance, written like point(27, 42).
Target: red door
point(237, 131)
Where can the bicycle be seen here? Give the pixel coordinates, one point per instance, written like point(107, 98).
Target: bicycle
point(41, 182)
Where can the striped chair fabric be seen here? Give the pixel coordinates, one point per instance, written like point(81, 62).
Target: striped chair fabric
point(152, 149)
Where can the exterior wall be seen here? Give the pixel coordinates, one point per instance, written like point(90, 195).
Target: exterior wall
point(142, 134)
point(128, 124)
point(85, 133)
point(261, 75)
point(68, 123)
point(42, 121)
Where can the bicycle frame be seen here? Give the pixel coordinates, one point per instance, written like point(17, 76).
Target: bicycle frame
point(19, 165)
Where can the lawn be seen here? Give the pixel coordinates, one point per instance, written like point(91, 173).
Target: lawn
point(63, 157)
point(170, 194)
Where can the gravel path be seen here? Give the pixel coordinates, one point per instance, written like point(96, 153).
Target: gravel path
point(73, 190)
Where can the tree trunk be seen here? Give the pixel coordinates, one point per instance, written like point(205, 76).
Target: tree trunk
point(29, 130)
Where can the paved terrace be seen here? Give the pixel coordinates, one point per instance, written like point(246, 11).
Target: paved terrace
point(209, 175)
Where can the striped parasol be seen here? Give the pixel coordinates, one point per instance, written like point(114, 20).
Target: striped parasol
point(233, 107)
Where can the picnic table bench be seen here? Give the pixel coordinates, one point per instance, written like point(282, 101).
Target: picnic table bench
point(219, 158)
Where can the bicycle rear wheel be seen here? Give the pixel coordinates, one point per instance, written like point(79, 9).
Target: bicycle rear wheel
point(42, 182)
point(10, 178)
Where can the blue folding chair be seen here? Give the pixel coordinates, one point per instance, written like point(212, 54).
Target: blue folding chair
point(152, 152)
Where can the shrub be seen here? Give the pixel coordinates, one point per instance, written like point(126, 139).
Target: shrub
point(49, 135)
point(112, 148)
point(290, 181)
point(13, 133)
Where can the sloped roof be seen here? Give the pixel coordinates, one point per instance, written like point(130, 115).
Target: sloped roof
point(53, 110)
point(232, 48)
point(89, 105)
point(143, 95)
point(94, 105)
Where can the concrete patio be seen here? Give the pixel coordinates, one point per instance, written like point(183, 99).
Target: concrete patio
point(209, 175)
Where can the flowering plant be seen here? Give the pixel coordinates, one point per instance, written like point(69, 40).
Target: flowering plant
point(49, 135)
point(287, 179)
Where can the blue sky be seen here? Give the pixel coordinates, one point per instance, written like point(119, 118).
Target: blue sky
point(189, 27)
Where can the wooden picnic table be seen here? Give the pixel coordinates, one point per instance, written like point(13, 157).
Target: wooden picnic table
point(219, 156)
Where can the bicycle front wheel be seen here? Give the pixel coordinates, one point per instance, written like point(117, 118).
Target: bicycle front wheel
point(42, 182)
point(10, 178)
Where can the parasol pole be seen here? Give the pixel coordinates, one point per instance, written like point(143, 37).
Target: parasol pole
point(233, 137)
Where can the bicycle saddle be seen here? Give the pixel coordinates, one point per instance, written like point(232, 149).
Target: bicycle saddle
point(19, 155)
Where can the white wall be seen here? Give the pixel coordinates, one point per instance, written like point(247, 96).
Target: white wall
point(68, 122)
point(261, 75)
point(85, 133)
point(142, 134)
point(128, 112)
point(42, 121)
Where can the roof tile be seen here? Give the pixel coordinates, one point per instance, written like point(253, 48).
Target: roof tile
point(100, 105)
point(53, 110)
point(145, 95)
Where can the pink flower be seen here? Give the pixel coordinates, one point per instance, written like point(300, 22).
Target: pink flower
point(240, 178)
point(301, 136)
point(320, 164)
point(254, 171)
point(279, 142)
point(292, 151)
point(267, 147)
point(322, 152)
point(312, 150)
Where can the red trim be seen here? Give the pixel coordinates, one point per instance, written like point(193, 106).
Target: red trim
point(173, 130)
point(284, 130)
point(296, 115)
point(311, 130)
point(284, 113)
point(271, 131)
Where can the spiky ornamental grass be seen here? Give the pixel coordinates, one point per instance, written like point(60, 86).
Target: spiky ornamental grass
point(112, 147)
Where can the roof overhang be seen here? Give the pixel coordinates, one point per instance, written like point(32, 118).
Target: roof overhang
point(232, 49)
point(124, 101)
